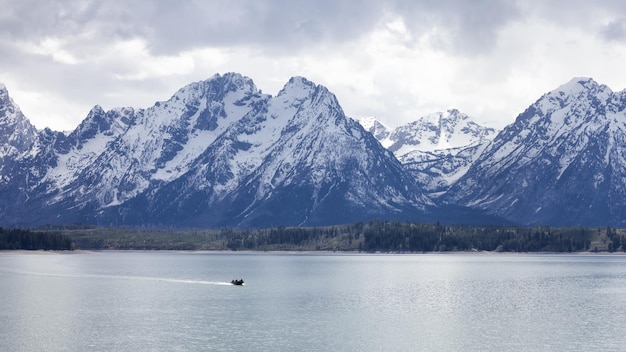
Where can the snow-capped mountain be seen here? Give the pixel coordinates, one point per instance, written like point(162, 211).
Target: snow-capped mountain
point(562, 162)
point(17, 135)
point(218, 153)
point(379, 130)
point(18, 138)
point(293, 159)
point(437, 131)
point(437, 149)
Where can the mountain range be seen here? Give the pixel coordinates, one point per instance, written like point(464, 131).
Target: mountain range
point(219, 153)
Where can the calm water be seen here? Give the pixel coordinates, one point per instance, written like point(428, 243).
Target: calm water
point(181, 302)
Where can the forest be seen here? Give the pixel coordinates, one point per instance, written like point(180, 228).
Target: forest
point(14, 239)
point(372, 236)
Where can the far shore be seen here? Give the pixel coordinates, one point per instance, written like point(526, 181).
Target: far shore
point(287, 252)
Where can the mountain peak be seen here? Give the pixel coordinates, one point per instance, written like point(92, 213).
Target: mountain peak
point(16, 132)
point(215, 88)
point(96, 110)
point(577, 85)
point(439, 118)
point(375, 127)
point(299, 80)
point(298, 87)
point(437, 131)
point(578, 94)
point(232, 81)
point(4, 95)
point(237, 79)
point(9, 111)
point(581, 80)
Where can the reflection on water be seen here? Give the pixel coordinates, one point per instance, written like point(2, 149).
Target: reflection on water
point(132, 301)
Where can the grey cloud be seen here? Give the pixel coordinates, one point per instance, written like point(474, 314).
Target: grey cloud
point(273, 25)
point(584, 15)
point(171, 26)
point(287, 25)
point(32, 19)
point(466, 27)
point(615, 30)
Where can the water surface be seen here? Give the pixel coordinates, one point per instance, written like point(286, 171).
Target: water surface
point(170, 301)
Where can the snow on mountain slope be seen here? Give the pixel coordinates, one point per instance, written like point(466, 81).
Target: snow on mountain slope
point(437, 170)
point(157, 144)
point(438, 131)
point(322, 150)
point(17, 134)
point(563, 161)
point(18, 141)
point(293, 159)
point(375, 127)
point(437, 149)
point(217, 153)
point(85, 145)
point(17, 138)
point(220, 153)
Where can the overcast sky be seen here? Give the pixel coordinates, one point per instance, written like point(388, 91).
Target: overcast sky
point(395, 59)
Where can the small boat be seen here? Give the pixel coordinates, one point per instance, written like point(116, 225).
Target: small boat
point(237, 282)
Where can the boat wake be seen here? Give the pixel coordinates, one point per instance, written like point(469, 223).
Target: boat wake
point(121, 277)
point(198, 282)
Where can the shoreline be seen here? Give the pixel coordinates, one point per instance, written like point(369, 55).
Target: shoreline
point(289, 252)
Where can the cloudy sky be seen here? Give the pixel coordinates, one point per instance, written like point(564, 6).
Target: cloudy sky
point(394, 59)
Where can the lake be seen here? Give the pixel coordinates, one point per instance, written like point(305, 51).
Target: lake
point(179, 301)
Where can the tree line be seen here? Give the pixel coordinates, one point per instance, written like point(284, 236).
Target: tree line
point(396, 236)
point(290, 238)
point(415, 237)
point(371, 236)
point(14, 239)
